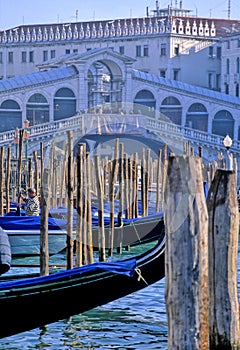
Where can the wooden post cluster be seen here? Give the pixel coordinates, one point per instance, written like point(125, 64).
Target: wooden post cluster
point(80, 180)
point(201, 257)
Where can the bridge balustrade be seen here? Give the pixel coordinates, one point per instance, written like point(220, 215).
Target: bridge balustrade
point(81, 123)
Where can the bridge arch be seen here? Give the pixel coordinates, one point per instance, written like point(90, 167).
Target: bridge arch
point(172, 109)
point(10, 115)
point(223, 123)
point(37, 109)
point(105, 85)
point(132, 143)
point(197, 117)
point(64, 103)
point(105, 72)
point(145, 103)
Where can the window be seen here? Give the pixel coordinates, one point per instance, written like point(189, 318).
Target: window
point(31, 56)
point(210, 80)
point(163, 73)
point(238, 43)
point(121, 50)
point(237, 90)
point(67, 52)
point(45, 55)
point(10, 57)
point(228, 44)
point(219, 52)
point(53, 53)
point(163, 49)
point(1, 57)
point(138, 51)
point(145, 51)
point(227, 66)
point(75, 50)
point(176, 74)
point(176, 50)
point(210, 51)
point(24, 57)
point(218, 82)
point(238, 65)
point(226, 88)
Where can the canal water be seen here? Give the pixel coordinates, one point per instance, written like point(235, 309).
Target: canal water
point(137, 321)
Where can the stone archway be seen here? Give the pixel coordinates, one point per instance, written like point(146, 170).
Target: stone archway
point(37, 109)
point(105, 80)
point(10, 115)
point(105, 83)
point(197, 117)
point(172, 109)
point(223, 124)
point(64, 103)
point(145, 103)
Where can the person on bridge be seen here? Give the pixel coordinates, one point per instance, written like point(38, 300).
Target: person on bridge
point(32, 202)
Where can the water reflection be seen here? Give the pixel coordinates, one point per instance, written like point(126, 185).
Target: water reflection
point(137, 321)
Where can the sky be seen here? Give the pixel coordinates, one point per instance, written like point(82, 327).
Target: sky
point(18, 12)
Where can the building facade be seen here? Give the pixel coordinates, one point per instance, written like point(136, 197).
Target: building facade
point(169, 64)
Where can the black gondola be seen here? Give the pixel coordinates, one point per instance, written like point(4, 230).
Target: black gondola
point(34, 302)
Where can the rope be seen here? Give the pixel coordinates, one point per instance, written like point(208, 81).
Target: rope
point(139, 238)
point(140, 277)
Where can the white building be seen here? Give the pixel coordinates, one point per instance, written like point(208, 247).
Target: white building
point(171, 63)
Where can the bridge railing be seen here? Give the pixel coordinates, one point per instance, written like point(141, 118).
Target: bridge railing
point(189, 134)
point(41, 129)
point(87, 121)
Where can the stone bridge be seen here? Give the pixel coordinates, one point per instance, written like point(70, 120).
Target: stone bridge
point(155, 130)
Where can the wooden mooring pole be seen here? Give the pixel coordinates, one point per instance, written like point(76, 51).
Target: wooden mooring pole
point(223, 249)
point(201, 257)
point(186, 221)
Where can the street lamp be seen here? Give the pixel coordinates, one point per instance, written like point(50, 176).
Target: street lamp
point(227, 142)
point(26, 135)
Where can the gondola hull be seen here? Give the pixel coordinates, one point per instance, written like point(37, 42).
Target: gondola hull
point(26, 304)
point(24, 233)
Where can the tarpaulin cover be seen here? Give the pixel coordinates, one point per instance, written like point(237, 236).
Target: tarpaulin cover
point(29, 223)
point(125, 267)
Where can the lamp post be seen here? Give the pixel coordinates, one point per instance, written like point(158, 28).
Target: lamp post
point(227, 142)
point(26, 135)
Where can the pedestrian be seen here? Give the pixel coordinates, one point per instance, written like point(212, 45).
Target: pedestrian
point(32, 202)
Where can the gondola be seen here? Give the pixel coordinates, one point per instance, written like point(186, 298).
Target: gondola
point(24, 232)
point(34, 302)
point(5, 253)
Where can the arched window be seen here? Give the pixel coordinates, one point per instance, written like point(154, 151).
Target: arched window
point(172, 109)
point(223, 124)
point(10, 115)
point(197, 117)
point(37, 109)
point(64, 104)
point(145, 103)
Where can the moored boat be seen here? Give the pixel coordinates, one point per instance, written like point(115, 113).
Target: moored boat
point(33, 302)
point(5, 253)
point(24, 232)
